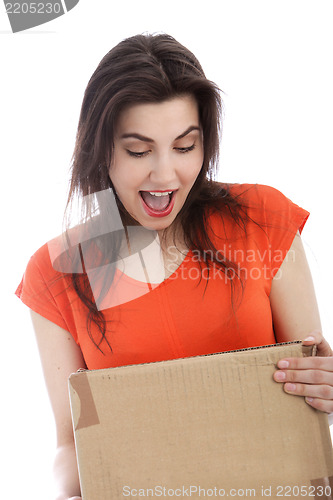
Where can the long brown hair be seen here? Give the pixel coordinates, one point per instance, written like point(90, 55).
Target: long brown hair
point(148, 69)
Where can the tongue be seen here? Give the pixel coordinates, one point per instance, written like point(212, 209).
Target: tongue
point(155, 202)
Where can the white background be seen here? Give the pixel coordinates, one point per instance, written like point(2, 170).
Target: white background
point(273, 60)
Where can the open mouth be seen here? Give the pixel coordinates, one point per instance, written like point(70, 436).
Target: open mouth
point(158, 203)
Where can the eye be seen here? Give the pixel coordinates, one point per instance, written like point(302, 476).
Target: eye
point(186, 150)
point(137, 154)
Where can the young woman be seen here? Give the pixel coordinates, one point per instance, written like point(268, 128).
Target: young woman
point(166, 262)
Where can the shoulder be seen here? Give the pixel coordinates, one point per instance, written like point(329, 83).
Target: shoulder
point(255, 209)
point(247, 198)
point(39, 274)
point(48, 266)
point(60, 255)
point(40, 262)
point(250, 194)
point(258, 195)
point(264, 203)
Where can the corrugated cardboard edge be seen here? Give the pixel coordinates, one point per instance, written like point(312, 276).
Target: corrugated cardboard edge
point(81, 391)
point(79, 382)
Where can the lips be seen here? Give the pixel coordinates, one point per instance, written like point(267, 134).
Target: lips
point(158, 203)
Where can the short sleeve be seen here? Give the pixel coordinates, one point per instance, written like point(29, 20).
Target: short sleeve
point(272, 222)
point(43, 290)
point(283, 220)
point(280, 220)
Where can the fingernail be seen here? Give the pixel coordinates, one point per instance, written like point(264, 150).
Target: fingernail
point(308, 400)
point(290, 387)
point(280, 376)
point(283, 364)
point(309, 339)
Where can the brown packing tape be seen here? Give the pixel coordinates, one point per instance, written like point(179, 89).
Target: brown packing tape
point(323, 488)
point(172, 422)
point(308, 350)
point(88, 412)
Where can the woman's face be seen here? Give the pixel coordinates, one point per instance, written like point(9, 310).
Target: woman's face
point(158, 154)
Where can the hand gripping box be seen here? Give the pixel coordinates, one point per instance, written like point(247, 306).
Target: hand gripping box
point(207, 426)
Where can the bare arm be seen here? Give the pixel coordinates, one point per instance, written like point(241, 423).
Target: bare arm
point(296, 317)
point(60, 356)
point(292, 297)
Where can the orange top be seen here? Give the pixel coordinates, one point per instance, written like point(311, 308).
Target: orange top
point(184, 315)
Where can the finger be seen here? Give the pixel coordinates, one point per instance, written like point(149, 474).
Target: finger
point(309, 362)
point(323, 347)
point(315, 337)
point(324, 392)
point(320, 404)
point(319, 377)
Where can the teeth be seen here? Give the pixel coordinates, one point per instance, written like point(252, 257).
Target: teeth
point(155, 193)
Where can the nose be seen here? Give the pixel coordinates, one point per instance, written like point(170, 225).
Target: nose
point(163, 172)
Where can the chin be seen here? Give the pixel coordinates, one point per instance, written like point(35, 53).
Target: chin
point(157, 226)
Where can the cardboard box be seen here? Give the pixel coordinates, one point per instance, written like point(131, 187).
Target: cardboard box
point(206, 426)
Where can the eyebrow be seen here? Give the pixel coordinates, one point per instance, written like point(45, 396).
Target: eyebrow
point(147, 139)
